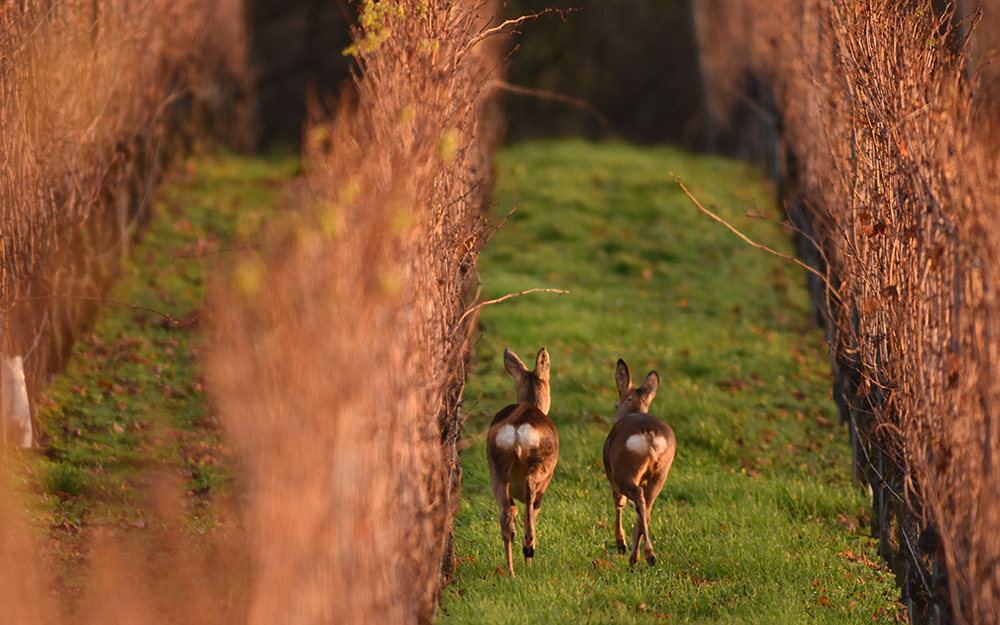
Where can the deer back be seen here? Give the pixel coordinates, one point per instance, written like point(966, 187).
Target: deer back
point(521, 434)
point(639, 446)
point(522, 438)
point(638, 449)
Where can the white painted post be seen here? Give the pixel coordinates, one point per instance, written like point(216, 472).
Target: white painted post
point(16, 410)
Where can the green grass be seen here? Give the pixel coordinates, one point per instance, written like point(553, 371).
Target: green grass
point(758, 521)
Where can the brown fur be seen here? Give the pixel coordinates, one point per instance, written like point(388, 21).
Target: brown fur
point(516, 472)
point(638, 477)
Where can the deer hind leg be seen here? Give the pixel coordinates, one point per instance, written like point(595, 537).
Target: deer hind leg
point(533, 503)
point(648, 542)
point(619, 501)
point(652, 491)
point(636, 495)
point(501, 490)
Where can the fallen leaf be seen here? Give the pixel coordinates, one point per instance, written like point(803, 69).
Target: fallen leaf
point(734, 384)
point(767, 436)
point(849, 521)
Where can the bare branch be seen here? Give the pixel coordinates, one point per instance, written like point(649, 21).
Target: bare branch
point(38, 336)
point(557, 97)
point(496, 30)
point(106, 300)
point(489, 302)
point(747, 239)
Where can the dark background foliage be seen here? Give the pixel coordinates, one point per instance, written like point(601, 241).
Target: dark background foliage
point(296, 45)
point(635, 61)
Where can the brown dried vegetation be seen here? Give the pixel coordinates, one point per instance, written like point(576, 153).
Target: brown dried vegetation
point(95, 98)
point(887, 154)
point(339, 354)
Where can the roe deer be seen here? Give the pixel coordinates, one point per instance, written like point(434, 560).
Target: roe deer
point(522, 448)
point(637, 456)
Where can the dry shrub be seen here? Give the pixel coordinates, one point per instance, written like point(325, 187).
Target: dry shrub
point(891, 161)
point(95, 96)
point(984, 47)
point(920, 261)
point(163, 574)
point(339, 353)
point(21, 583)
point(159, 575)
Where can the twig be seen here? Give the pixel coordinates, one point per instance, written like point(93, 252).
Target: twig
point(41, 327)
point(489, 302)
point(104, 300)
point(496, 30)
point(492, 231)
point(557, 97)
point(744, 237)
point(830, 293)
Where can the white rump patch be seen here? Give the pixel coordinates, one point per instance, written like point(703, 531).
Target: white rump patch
point(659, 444)
point(528, 436)
point(647, 444)
point(636, 443)
point(506, 437)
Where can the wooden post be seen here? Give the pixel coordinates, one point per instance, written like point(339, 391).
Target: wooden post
point(16, 409)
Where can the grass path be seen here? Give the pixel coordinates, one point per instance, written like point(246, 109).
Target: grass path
point(758, 521)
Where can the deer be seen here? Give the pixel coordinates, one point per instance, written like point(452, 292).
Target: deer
point(637, 457)
point(522, 448)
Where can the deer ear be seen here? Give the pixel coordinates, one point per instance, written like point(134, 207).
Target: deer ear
point(513, 365)
point(623, 378)
point(651, 384)
point(542, 365)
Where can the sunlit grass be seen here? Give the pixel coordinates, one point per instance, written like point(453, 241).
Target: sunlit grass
point(758, 521)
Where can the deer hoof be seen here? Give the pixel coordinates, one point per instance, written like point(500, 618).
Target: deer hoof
point(651, 560)
point(529, 552)
point(621, 547)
